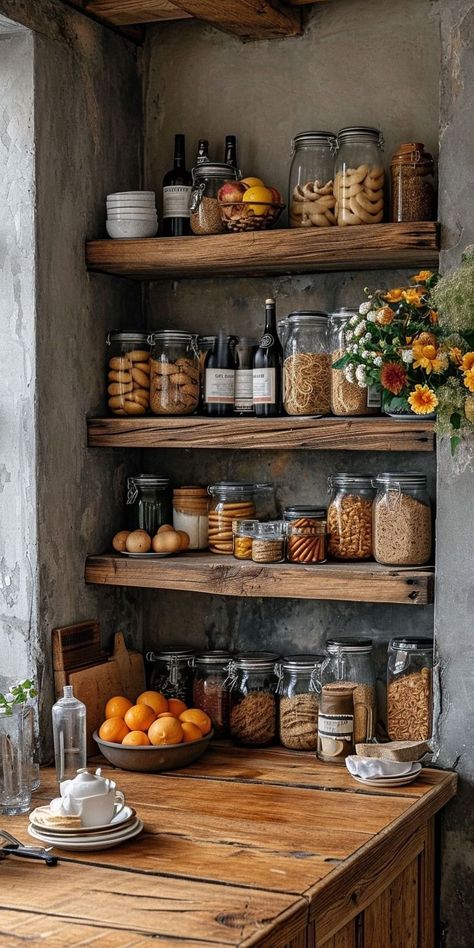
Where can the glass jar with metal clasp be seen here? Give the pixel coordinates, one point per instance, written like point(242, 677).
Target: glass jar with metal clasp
point(208, 178)
point(172, 673)
point(311, 194)
point(350, 662)
point(209, 692)
point(359, 176)
point(252, 684)
point(299, 690)
point(174, 373)
point(148, 502)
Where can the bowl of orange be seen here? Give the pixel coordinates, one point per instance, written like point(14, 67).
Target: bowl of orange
point(153, 734)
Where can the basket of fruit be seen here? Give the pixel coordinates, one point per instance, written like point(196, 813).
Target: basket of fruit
point(154, 734)
point(249, 205)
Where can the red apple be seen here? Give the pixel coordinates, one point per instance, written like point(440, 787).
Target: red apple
point(277, 198)
point(231, 192)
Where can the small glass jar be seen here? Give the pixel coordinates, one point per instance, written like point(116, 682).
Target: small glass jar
point(128, 373)
point(410, 689)
point(350, 516)
point(252, 684)
point(210, 673)
point(190, 513)
point(299, 689)
point(311, 197)
point(413, 196)
point(148, 504)
point(307, 365)
point(174, 379)
point(307, 545)
point(402, 522)
point(231, 500)
point(268, 542)
point(350, 662)
point(172, 673)
point(336, 723)
point(208, 178)
point(347, 398)
point(359, 176)
point(243, 532)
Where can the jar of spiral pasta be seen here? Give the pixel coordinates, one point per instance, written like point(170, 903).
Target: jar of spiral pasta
point(252, 684)
point(350, 517)
point(311, 197)
point(410, 689)
point(298, 690)
point(347, 398)
point(307, 364)
point(359, 176)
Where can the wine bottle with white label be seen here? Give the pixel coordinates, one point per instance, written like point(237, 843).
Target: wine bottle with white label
point(177, 194)
point(267, 368)
point(219, 377)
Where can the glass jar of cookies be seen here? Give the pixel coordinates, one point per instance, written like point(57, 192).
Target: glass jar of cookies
point(311, 198)
point(359, 176)
point(174, 375)
point(128, 373)
point(230, 501)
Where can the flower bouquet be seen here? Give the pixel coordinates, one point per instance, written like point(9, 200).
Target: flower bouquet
point(416, 344)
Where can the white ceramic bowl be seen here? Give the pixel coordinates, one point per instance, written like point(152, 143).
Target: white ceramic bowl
point(132, 215)
point(134, 202)
point(131, 229)
point(131, 195)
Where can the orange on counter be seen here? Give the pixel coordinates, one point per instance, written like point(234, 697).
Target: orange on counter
point(117, 707)
point(191, 732)
point(176, 706)
point(153, 719)
point(136, 739)
point(197, 717)
point(154, 699)
point(166, 731)
point(139, 717)
point(114, 730)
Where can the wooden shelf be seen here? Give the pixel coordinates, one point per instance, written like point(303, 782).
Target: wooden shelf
point(371, 247)
point(226, 576)
point(272, 434)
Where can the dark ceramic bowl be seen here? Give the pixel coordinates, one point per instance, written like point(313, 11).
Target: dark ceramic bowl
point(152, 759)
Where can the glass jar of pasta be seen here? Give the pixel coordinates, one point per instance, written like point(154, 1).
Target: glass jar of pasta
point(128, 373)
point(252, 684)
point(347, 398)
point(311, 198)
point(409, 689)
point(307, 365)
point(402, 520)
point(359, 176)
point(350, 517)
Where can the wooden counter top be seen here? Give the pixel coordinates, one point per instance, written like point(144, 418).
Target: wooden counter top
point(264, 847)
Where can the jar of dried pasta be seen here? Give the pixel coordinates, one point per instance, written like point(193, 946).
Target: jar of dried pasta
point(402, 521)
point(409, 689)
point(359, 176)
point(252, 684)
point(347, 398)
point(230, 500)
point(350, 516)
point(350, 662)
point(174, 380)
point(307, 364)
point(311, 194)
point(298, 691)
point(128, 373)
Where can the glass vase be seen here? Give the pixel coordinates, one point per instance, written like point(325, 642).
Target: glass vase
point(15, 761)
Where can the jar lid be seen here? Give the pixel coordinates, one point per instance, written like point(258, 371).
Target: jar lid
point(360, 481)
point(215, 169)
point(314, 138)
point(412, 153)
point(148, 480)
point(170, 335)
point(412, 644)
point(401, 480)
point(309, 316)
point(269, 530)
point(116, 335)
point(216, 657)
point(180, 655)
point(361, 646)
point(297, 511)
point(237, 487)
point(303, 662)
point(244, 527)
point(343, 314)
point(263, 661)
point(360, 133)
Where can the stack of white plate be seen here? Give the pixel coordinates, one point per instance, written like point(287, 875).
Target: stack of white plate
point(132, 214)
point(375, 772)
point(124, 826)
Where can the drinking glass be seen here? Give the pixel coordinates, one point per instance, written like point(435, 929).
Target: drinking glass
point(15, 762)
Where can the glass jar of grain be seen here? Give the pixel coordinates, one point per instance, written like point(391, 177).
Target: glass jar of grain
point(307, 364)
point(350, 517)
point(350, 662)
point(208, 178)
point(409, 689)
point(413, 196)
point(252, 685)
point(299, 689)
point(347, 398)
point(402, 520)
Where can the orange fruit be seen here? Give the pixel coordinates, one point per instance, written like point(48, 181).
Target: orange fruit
point(166, 714)
point(139, 717)
point(136, 739)
point(252, 182)
point(154, 699)
point(117, 707)
point(191, 732)
point(198, 717)
point(113, 730)
point(166, 731)
point(176, 706)
point(261, 195)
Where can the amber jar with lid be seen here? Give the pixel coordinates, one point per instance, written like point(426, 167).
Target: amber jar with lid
point(413, 196)
point(336, 723)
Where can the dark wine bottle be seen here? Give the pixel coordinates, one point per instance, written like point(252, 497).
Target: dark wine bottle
point(177, 194)
point(219, 377)
point(268, 367)
point(230, 151)
point(203, 151)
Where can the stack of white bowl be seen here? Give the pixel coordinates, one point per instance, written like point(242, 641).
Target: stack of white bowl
point(131, 214)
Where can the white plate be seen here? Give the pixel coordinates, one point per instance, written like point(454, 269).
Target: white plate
point(398, 417)
point(149, 556)
point(387, 781)
point(90, 845)
point(356, 764)
point(123, 816)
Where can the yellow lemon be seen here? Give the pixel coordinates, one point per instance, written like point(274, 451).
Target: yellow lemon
point(258, 194)
point(252, 182)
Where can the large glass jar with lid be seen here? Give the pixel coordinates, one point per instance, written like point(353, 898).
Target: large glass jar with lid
point(350, 516)
point(347, 398)
point(252, 685)
point(410, 689)
point(208, 178)
point(359, 176)
point(148, 502)
point(299, 689)
point(128, 373)
point(211, 670)
point(174, 380)
point(307, 364)
point(402, 520)
point(413, 196)
point(311, 195)
point(350, 662)
point(172, 673)
point(230, 501)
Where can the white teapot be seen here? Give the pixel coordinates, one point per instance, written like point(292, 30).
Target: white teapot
point(85, 784)
point(92, 797)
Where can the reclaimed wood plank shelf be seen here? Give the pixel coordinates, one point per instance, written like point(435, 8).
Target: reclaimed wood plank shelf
point(287, 434)
point(226, 576)
point(374, 246)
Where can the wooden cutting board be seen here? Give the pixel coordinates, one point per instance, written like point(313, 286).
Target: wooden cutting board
point(75, 646)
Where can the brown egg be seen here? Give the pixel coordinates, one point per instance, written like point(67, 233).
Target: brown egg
point(120, 539)
point(184, 537)
point(138, 542)
point(166, 542)
point(165, 528)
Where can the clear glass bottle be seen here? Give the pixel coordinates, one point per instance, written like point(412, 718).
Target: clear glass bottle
point(359, 176)
point(350, 662)
point(231, 500)
point(299, 689)
point(311, 195)
point(128, 373)
point(172, 673)
point(402, 519)
point(148, 503)
point(209, 692)
point(69, 735)
point(413, 195)
point(307, 364)
point(350, 516)
point(190, 513)
point(208, 178)
point(268, 542)
point(347, 398)
point(174, 378)
point(252, 684)
point(410, 689)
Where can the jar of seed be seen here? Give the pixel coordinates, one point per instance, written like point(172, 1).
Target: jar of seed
point(299, 689)
point(208, 178)
point(413, 196)
point(252, 684)
point(350, 663)
point(243, 532)
point(350, 517)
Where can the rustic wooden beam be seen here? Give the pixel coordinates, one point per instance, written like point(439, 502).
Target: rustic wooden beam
point(250, 19)
point(122, 12)
point(134, 33)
